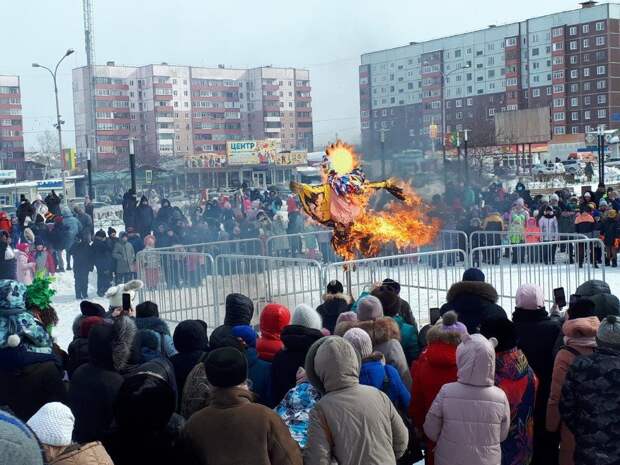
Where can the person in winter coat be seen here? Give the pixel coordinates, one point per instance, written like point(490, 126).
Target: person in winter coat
point(473, 300)
point(352, 423)
point(103, 261)
point(73, 228)
point(82, 266)
point(191, 341)
point(135, 240)
point(78, 348)
point(383, 332)
point(579, 339)
point(146, 429)
point(273, 319)
point(335, 302)
point(589, 402)
point(585, 224)
point(25, 268)
point(375, 372)
point(95, 385)
point(493, 225)
point(471, 417)
point(259, 371)
point(8, 264)
point(24, 210)
point(19, 443)
point(144, 217)
point(435, 367)
point(297, 339)
point(599, 292)
point(164, 214)
point(239, 310)
point(53, 424)
point(549, 232)
point(207, 437)
point(296, 406)
point(610, 229)
point(390, 301)
point(147, 318)
point(536, 336)
point(43, 260)
point(85, 220)
point(404, 308)
point(514, 376)
point(124, 257)
point(53, 203)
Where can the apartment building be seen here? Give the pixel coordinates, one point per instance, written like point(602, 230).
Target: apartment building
point(566, 61)
point(177, 111)
point(11, 126)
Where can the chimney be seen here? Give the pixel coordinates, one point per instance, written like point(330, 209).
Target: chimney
point(110, 63)
point(588, 4)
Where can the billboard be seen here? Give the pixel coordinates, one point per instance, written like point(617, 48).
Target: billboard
point(205, 160)
point(8, 175)
point(522, 126)
point(252, 152)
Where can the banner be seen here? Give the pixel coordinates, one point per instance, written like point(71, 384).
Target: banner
point(291, 158)
point(8, 175)
point(250, 152)
point(205, 160)
point(70, 159)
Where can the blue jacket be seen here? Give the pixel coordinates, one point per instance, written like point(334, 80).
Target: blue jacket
point(259, 373)
point(386, 378)
point(159, 326)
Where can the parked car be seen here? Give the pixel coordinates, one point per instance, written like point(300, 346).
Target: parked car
point(542, 169)
point(573, 166)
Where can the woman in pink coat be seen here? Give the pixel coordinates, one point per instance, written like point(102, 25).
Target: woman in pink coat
point(25, 268)
point(470, 418)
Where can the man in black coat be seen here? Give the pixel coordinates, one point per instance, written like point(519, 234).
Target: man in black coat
point(144, 217)
point(239, 310)
point(129, 208)
point(53, 203)
point(102, 259)
point(473, 300)
point(191, 340)
point(335, 302)
point(24, 210)
point(536, 336)
point(82, 266)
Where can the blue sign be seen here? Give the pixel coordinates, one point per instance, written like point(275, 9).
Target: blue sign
point(615, 116)
point(49, 184)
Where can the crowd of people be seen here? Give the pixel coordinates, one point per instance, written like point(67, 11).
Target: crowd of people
point(353, 381)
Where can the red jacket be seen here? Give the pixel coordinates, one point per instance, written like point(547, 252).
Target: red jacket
point(5, 223)
point(273, 319)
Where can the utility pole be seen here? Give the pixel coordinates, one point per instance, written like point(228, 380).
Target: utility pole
point(600, 132)
point(382, 140)
point(465, 157)
point(132, 164)
point(91, 192)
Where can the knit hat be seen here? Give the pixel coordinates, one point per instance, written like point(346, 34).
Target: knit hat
point(501, 329)
point(226, 367)
point(392, 285)
point(223, 336)
point(608, 334)
point(346, 316)
point(612, 214)
point(306, 316)
point(369, 308)
point(335, 287)
point(190, 335)
point(581, 308)
point(147, 309)
point(360, 340)
point(447, 329)
point(115, 293)
point(389, 300)
point(91, 309)
point(87, 324)
point(246, 333)
point(18, 444)
point(53, 424)
point(529, 297)
point(100, 233)
point(473, 274)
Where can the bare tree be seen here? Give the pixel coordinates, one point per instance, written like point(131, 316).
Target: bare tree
point(47, 151)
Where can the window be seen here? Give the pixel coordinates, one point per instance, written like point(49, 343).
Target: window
point(572, 31)
point(585, 43)
point(511, 82)
point(535, 92)
point(574, 116)
point(491, 111)
point(600, 69)
point(559, 130)
point(549, 90)
point(558, 102)
point(457, 53)
point(512, 107)
point(574, 130)
point(601, 99)
point(574, 74)
point(458, 103)
point(573, 59)
point(536, 78)
point(600, 40)
point(586, 86)
point(585, 28)
point(490, 61)
point(574, 88)
point(459, 115)
point(558, 60)
point(586, 100)
point(558, 46)
point(602, 113)
point(586, 72)
point(558, 88)
point(557, 32)
point(558, 75)
point(511, 42)
point(572, 45)
point(586, 114)
point(586, 58)
point(535, 65)
point(574, 101)
point(600, 26)
point(535, 52)
point(491, 73)
point(470, 102)
point(600, 84)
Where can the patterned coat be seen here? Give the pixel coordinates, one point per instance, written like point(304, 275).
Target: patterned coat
point(295, 410)
point(590, 406)
point(515, 377)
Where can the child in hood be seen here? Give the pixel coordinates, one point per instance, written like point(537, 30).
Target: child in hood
point(273, 319)
point(43, 260)
point(25, 268)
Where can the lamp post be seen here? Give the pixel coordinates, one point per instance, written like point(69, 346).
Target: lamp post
point(59, 122)
point(444, 77)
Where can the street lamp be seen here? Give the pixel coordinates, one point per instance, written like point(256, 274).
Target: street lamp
point(59, 122)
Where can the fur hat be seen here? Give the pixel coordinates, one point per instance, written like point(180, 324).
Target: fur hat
point(474, 274)
point(115, 293)
point(581, 308)
point(369, 308)
point(18, 443)
point(392, 285)
point(306, 316)
point(360, 340)
point(53, 424)
point(608, 334)
point(447, 329)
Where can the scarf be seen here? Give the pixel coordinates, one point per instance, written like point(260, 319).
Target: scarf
point(580, 341)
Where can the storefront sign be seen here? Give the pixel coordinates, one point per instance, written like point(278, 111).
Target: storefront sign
point(291, 158)
point(205, 160)
point(250, 152)
point(7, 174)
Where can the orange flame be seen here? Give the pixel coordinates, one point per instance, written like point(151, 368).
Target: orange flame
point(403, 224)
point(342, 158)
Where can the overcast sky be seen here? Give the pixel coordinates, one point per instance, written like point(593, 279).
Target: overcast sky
point(326, 36)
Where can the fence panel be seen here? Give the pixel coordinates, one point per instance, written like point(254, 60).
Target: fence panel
point(288, 281)
point(181, 283)
point(564, 263)
point(424, 277)
point(313, 245)
point(485, 238)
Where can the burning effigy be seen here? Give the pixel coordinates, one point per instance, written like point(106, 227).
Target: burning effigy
point(342, 202)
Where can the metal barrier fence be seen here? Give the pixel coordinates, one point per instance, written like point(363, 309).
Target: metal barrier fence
point(424, 277)
point(484, 238)
point(565, 263)
point(253, 246)
point(181, 283)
